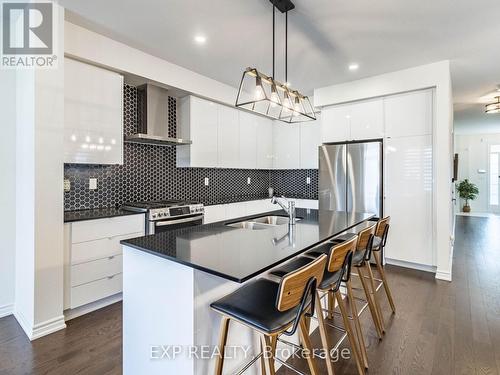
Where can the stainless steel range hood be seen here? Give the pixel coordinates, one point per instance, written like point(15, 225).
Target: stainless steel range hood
point(153, 122)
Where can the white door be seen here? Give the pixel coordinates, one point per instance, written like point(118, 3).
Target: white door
point(494, 179)
point(204, 123)
point(310, 139)
point(408, 199)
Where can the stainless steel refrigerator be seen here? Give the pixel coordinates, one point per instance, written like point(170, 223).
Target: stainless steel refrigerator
point(350, 177)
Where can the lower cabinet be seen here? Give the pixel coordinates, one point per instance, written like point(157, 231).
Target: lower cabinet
point(93, 257)
point(230, 211)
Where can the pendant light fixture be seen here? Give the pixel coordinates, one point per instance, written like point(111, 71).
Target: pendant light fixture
point(264, 94)
point(493, 107)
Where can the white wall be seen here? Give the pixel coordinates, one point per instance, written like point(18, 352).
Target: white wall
point(97, 49)
point(7, 191)
point(39, 200)
point(432, 75)
point(473, 155)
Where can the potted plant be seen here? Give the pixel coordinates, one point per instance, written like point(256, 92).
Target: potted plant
point(468, 191)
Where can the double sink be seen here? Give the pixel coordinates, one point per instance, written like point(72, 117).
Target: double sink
point(260, 223)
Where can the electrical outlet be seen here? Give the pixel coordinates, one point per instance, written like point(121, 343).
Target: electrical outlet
point(249, 180)
point(67, 185)
point(206, 181)
point(92, 183)
point(308, 180)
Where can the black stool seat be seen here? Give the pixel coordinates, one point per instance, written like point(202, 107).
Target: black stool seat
point(255, 304)
point(357, 258)
point(321, 249)
point(329, 278)
point(376, 243)
point(345, 237)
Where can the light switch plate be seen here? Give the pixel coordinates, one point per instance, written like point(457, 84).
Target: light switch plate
point(249, 180)
point(67, 185)
point(206, 181)
point(308, 180)
point(92, 183)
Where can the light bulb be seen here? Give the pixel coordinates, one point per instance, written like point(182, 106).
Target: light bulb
point(73, 137)
point(87, 139)
point(101, 140)
point(259, 90)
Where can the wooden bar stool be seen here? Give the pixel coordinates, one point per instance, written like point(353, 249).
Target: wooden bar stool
point(381, 233)
point(273, 309)
point(360, 261)
point(337, 272)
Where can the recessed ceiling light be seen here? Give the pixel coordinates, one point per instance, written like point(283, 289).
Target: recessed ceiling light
point(200, 39)
point(353, 66)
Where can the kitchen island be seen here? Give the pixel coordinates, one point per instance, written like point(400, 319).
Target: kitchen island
point(170, 279)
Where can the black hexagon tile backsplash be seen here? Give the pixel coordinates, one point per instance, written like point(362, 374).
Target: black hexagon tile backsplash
point(149, 173)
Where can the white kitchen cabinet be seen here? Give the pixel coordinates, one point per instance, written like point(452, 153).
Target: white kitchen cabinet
point(228, 134)
point(353, 121)
point(198, 121)
point(366, 119)
point(247, 141)
point(93, 114)
point(408, 199)
point(310, 139)
point(264, 141)
point(409, 114)
point(335, 123)
point(286, 145)
point(93, 257)
point(307, 203)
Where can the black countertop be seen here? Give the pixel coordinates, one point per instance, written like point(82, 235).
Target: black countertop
point(240, 254)
point(98, 213)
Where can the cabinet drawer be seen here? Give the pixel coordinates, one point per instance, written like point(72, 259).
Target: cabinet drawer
point(96, 290)
point(98, 249)
point(103, 228)
point(98, 269)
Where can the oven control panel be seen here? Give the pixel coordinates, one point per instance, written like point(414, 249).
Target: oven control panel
point(176, 211)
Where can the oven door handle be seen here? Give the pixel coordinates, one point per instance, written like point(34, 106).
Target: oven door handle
point(179, 221)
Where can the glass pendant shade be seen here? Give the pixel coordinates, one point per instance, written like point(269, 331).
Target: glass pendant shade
point(262, 94)
point(494, 107)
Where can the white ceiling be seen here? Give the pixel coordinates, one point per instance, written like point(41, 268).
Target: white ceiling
point(324, 37)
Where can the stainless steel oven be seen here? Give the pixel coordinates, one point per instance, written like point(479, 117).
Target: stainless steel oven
point(166, 215)
point(173, 223)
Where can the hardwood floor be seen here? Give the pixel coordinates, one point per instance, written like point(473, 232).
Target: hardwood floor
point(440, 327)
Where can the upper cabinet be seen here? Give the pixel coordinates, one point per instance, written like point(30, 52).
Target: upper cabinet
point(310, 139)
point(409, 114)
point(222, 136)
point(286, 145)
point(198, 122)
point(354, 121)
point(367, 120)
point(264, 143)
point(228, 135)
point(93, 114)
point(335, 123)
point(247, 141)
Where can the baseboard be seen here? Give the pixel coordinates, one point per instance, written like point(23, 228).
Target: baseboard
point(40, 329)
point(415, 266)
point(85, 309)
point(48, 327)
point(443, 275)
point(6, 310)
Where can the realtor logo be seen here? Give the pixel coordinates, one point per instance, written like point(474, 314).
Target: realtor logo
point(27, 34)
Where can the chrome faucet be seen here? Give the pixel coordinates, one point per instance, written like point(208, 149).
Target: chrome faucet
point(288, 206)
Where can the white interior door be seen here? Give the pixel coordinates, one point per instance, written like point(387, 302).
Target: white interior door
point(494, 179)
